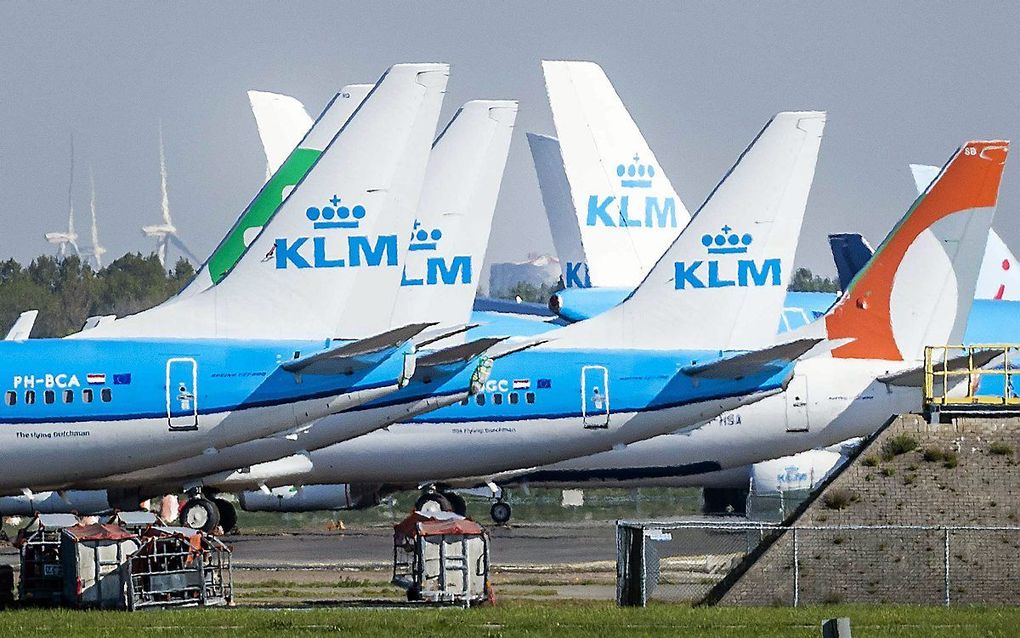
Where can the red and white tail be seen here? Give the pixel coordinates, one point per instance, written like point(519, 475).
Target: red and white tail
point(918, 287)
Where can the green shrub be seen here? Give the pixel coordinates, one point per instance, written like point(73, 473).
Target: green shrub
point(870, 461)
point(952, 459)
point(1001, 448)
point(888, 471)
point(838, 499)
point(897, 445)
point(933, 455)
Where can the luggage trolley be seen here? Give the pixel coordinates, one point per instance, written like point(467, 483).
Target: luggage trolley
point(441, 558)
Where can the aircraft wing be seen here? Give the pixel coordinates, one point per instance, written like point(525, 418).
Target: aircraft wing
point(742, 365)
point(355, 354)
point(23, 326)
point(914, 377)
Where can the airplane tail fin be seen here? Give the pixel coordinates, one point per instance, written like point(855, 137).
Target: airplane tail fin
point(722, 283)
point(451, 231)
point(559, 209)
point(282, 122)
point(850, 252)
point(918, 288)
point(339, 236)
point(626, 209)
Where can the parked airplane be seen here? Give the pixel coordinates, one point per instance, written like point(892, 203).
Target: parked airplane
point(128, 397)
point(658, 361)
point(916, 290)
point(445, 249)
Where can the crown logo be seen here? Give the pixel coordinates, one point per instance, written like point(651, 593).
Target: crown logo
point(422, 239)
point(335, 216)
point(635, 174)
point(726, 242)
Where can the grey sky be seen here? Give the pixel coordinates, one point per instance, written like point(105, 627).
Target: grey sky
point(903, 82)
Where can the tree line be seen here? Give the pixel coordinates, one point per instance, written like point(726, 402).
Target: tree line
point(66, 291)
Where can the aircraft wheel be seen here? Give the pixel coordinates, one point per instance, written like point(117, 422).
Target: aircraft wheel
point(432, 502)
point(457, 503)
point(500, 512)
point(200, 513)
point(228, 514)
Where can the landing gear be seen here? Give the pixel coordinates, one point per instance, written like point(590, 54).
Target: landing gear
point(457, 503)
point(724, 501)
point(432, 503)
point(200, 513)
point(228, 514)
point(500, 512)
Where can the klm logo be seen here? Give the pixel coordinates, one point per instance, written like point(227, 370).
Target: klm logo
point(713, 273)
point(322, 251)
point(577, 275)
point(437, 269)
point(647, 212)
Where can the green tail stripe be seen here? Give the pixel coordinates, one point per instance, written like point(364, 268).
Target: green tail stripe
point(260, 211)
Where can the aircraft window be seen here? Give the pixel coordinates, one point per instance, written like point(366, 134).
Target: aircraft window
point(530, 397)
point(106, 395)
point(68, 396)
point(497, 399)
point(480, 399)
point(29, 397)
point(514, 398)
point(86, 395)
point(11, 398)
point(49, 396)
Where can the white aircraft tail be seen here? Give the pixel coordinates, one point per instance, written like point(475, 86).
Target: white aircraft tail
point(722, 283)
point(338, 238)
point(559, 209)
point(451, 231)
point(282, 122)
point(918, 288)
point(626, 208)
point(999, 277)
point(22, 328)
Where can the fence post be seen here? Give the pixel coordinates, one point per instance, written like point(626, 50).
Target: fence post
point(796, 569)
point(946, 558)
point(630, 565)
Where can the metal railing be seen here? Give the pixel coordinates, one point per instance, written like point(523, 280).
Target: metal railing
point(688, 562)
point(974, 375)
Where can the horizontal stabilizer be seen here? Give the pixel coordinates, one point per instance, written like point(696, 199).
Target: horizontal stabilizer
point(742, 365)
point(355, 354)
point(458, 354)
point(914, 377)
point(511, 346)
point(439, 333)
point(23, 326)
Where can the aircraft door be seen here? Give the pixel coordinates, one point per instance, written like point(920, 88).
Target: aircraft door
point(595, 396)
point(797, 404)
point(182, 393)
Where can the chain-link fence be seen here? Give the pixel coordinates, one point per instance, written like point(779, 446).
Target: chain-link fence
point(765, 564)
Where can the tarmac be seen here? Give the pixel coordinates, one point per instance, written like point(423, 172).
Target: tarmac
point(309, 567)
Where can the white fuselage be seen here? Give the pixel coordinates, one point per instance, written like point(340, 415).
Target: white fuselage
point(828, 401)
point(414, 453)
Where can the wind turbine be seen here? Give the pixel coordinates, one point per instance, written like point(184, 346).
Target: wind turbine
point(96, 251)
point(165, 233)
point(62, 239)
